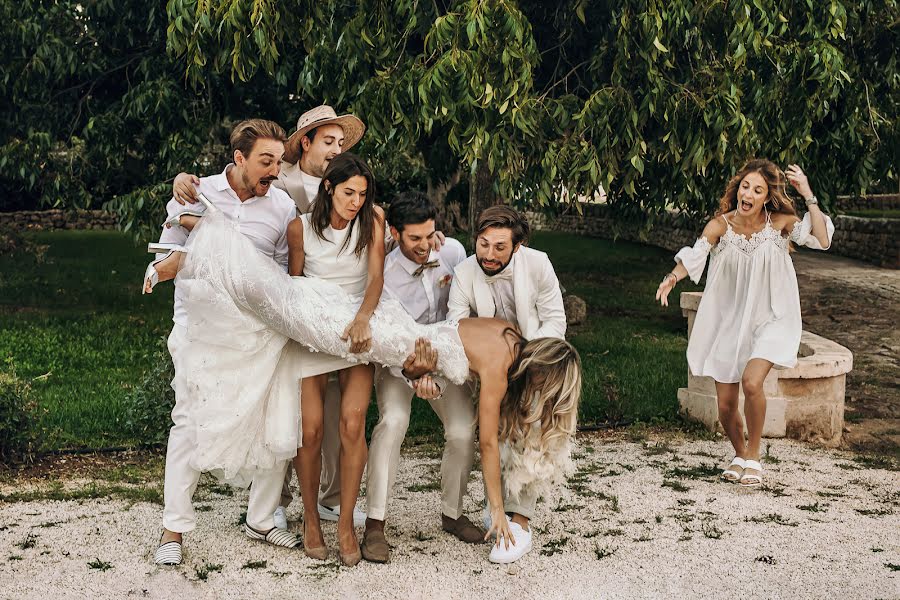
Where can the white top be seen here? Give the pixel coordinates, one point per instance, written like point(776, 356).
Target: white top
point(501, 286)
point(424, 296)
point(751, 305)
point(263, 219)
point(536, 296)
point(325, 259)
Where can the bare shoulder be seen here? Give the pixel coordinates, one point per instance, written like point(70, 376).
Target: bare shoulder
point(489, 343)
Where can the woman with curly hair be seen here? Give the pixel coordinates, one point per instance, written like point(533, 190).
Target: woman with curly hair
point(749, 317)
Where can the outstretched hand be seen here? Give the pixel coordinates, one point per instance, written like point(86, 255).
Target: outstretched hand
point(665, 286)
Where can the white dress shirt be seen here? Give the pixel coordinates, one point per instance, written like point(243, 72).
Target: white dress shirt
point(425, 296)
point(263, 219)
point(501, 286)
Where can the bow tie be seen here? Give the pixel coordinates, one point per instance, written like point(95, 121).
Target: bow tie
point(431, 264)
point(504, 275)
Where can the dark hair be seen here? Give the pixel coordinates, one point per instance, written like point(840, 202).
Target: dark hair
point(504, 217)
point(245, 134)
point(777, 200)
point(341, 168)
point(410, 208)
point(311, 134)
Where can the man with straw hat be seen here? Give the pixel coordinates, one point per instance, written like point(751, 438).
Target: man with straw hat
point(320, 136)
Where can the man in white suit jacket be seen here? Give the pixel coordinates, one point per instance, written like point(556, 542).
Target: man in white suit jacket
point(508, 280)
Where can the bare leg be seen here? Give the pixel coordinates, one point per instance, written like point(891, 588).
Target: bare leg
point(309, 457)
point(730, 416)
point(166, 269)
point(356, 389)
point(754, 403)
point(522, 521)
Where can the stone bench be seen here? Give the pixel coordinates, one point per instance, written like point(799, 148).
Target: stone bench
point(805, 402)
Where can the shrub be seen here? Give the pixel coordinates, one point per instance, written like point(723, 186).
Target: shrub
point(18, 419)
point(149, 406)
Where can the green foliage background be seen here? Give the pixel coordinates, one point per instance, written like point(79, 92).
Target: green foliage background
point(656, 101)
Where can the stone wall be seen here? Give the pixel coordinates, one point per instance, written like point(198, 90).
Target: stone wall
point(875, 241)
point(49, 220)
point(872, 202)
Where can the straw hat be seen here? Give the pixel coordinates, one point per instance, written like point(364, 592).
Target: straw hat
point(325, 115)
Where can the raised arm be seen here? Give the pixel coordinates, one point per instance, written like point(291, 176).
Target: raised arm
point(184, 188)
point(358, 331)
point(820, 229)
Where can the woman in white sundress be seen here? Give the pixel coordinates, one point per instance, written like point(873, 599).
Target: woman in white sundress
point(749, 318)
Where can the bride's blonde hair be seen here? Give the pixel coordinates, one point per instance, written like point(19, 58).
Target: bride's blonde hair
point(543, 390)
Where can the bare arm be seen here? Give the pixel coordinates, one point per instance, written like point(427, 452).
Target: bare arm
point(493, 388)
point(358, 331)
point(296, 255)
point(800, 182)
point(714, 230)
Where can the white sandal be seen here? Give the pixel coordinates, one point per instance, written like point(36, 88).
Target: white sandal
point(752, 479)
point(732, 475)
point(151, 276)
point(168, 554)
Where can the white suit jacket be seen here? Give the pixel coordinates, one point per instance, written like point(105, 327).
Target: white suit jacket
point(539, 303)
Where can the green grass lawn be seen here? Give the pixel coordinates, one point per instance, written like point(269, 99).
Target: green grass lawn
point(76, 326)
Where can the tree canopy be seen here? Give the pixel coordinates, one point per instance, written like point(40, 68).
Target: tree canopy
point(658, 102)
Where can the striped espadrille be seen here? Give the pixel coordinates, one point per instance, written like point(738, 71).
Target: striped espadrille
point(275, 536)
point(168, 554)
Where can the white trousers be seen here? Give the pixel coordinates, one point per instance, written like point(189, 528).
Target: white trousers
point(456, 411)
point(181, 478)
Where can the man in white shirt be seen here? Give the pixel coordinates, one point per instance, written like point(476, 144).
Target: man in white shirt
point(320, 136)
point(508, 280)
point(243, 191)
point(419, 277)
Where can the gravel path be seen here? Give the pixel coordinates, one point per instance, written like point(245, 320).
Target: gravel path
point(644, 518)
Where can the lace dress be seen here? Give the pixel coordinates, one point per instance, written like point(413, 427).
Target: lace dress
point(242, 310)
point(751, 305)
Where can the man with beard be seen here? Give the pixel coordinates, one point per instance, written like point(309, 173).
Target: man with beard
point(508, 280)
point(243, 191)
point(320, 136)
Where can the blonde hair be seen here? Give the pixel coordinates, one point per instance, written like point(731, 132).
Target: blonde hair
point(777, 200)
point(544, 389)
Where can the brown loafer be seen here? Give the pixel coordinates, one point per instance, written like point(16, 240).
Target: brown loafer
point(463, 529)
point(375, 547)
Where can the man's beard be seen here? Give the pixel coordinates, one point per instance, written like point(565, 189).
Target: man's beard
point(492, 272)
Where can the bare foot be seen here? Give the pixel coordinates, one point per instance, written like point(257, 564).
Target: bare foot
point(312, 532)
point(169, 536)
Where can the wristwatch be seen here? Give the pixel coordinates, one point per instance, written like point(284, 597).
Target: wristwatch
point(812, 200)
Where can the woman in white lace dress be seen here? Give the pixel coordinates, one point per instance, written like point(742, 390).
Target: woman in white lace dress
point(749, 317)
point(241, 308)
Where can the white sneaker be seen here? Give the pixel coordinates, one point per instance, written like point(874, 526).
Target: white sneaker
point(332, 513)
point(502, 555)
point(280, 518)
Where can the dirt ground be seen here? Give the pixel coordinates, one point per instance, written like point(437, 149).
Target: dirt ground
point(643, 516)
point(858, 306)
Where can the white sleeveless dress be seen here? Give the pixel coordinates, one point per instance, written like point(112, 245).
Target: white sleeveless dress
point(751, 305)
point(330, 260)
point(242, 310)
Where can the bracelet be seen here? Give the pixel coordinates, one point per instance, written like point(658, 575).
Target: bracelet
point(673, 275)
point(812, 201)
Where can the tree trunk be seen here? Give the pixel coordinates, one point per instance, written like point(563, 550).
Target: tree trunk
point(481, 194)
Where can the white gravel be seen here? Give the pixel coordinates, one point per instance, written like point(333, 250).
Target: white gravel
point(662, 542)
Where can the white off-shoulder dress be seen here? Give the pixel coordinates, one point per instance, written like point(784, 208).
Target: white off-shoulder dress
point(751, 305)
